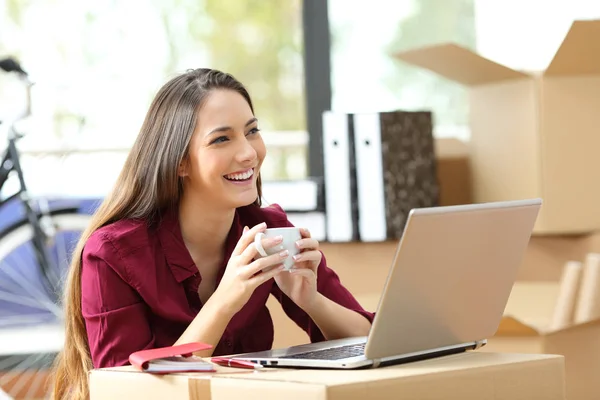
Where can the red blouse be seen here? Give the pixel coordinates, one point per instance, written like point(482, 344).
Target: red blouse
point(140, 290)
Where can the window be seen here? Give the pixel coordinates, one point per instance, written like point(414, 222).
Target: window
point(522, 47)
point(366, 76)
point(98, 64)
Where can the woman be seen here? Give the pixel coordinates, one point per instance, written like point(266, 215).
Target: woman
point(169, 256)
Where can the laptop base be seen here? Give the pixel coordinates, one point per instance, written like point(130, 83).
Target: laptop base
point(359, 362)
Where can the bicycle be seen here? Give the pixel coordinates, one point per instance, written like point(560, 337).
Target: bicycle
point(37, 237)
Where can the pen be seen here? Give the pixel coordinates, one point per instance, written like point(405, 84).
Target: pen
point(228, 362)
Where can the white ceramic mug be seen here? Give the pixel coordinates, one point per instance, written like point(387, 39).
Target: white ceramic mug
point(290, 236)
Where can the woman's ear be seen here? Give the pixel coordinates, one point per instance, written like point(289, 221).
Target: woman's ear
point(182, 170)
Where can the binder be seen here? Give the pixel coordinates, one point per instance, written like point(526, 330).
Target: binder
point(372, 223)
point(395, 170)
point(341, 209)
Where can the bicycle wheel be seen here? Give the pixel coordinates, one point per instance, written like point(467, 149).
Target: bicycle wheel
point(31, 322)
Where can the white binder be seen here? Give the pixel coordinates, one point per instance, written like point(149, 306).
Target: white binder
point(369, 178)
point(338, 155)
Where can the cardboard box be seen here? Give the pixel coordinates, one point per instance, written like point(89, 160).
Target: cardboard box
point(129, 383)
point(473, 375)
point(533, 134)
point(453, 172)
point(525, 328)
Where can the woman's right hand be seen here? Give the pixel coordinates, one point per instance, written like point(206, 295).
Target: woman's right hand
point(243, 274)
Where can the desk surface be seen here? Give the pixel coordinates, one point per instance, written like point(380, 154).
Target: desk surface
point(470, 375)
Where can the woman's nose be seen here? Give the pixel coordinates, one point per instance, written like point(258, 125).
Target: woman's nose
point(247, 152)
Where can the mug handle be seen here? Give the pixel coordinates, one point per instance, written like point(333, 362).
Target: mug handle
point(258, 244)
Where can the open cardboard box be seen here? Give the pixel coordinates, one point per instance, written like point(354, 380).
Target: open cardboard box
point(533, 134)
point(525, 329)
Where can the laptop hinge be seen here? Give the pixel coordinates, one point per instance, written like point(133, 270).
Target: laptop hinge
point(480, 343)
point(376, 363)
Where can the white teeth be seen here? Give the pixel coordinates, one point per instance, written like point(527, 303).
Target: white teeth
point(241, 177)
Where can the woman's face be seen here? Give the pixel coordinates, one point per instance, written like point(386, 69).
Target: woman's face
point(226, 151)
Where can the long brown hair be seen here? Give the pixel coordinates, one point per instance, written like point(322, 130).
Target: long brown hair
point(148, 183)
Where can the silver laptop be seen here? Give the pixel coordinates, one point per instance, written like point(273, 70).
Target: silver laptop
point(446, 291)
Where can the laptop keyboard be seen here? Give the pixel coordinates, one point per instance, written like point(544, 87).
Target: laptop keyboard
point(333, 353)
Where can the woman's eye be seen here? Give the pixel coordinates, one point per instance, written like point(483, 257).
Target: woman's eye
point(220, 139)
point(253, 131)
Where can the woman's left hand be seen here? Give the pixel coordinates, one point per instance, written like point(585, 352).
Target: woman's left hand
point(300, 284)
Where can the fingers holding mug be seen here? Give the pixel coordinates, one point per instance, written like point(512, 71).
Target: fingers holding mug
point(276, 240)
point(266, 245)
point(248, 236)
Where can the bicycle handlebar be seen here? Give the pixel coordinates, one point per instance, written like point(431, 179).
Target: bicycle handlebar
point(9, 65)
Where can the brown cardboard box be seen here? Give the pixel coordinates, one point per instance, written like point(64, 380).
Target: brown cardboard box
point(525, 328)
point(453, 172)
point(533, 134)
point(129, 383)
point(473, 375)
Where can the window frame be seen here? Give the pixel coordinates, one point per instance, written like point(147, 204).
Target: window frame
point(317, 78)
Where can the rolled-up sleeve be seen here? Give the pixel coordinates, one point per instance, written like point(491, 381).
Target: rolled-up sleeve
point(330, 286)
point(116, 318)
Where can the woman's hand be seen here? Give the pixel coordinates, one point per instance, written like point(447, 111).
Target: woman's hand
point(300, 284)
point(243, 274)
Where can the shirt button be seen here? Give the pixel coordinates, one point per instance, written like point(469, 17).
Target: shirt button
point(228, 343)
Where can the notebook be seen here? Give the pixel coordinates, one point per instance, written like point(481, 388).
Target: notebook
point(178, 358)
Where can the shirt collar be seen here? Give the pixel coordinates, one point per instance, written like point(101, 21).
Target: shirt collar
point(177, 255)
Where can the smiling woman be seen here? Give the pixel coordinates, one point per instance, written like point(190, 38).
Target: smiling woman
point(169, 257)
point(223, 164)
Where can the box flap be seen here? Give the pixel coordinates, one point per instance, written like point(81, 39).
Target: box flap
point(451, 148)
point(579, 53)
point(459, 64)
point(511, 326)
point(575, 327)
point(529, 309)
